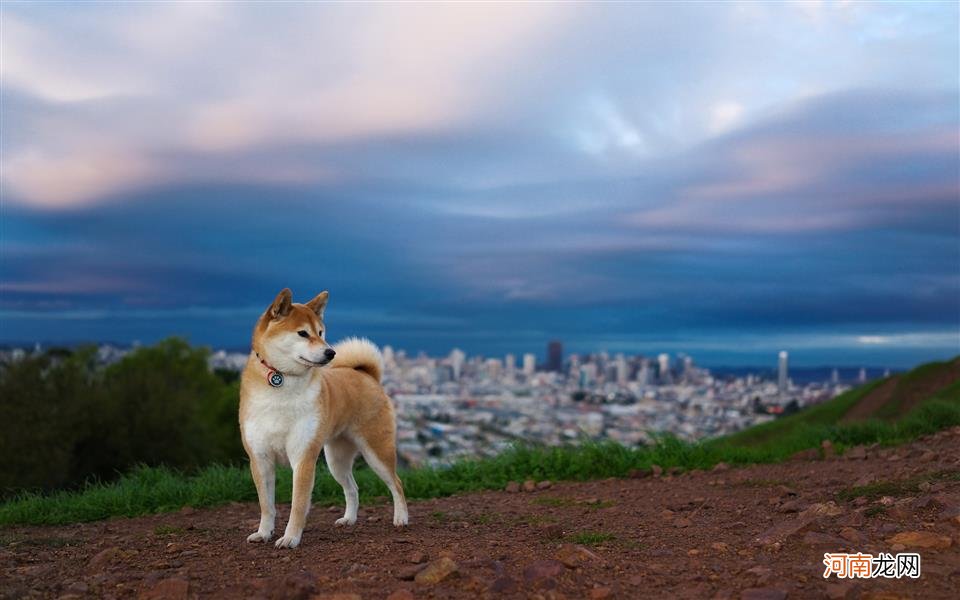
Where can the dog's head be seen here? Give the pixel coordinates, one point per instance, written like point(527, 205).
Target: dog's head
point(290, 336)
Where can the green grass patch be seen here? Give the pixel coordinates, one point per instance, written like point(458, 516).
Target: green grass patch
point(590, 538)
point(167, 530)
point(147, 490)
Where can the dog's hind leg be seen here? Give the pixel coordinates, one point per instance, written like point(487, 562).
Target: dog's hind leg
point(381, 455)
point(340, 453)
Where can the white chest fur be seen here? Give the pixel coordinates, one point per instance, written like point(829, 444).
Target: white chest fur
point(280, 423)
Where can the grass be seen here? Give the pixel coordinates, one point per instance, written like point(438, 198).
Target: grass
point(590, 538)
point(148, 490)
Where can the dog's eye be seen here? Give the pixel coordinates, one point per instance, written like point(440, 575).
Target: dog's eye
point(320, 333)
point(303, 333)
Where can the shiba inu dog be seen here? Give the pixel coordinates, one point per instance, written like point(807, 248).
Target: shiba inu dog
point(299, 395)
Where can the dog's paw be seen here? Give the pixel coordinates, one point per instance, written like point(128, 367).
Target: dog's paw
point(288, 541)
point(342, 521)
point(260, 536)
point(400, 522)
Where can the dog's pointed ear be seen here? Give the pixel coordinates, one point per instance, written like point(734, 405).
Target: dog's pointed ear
point(281, 304)
point(319, 303)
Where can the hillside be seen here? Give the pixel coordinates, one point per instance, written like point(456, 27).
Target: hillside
point(741, 533)
point(901, 402)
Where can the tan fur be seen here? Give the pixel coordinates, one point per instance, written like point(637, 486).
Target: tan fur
point(340, 407)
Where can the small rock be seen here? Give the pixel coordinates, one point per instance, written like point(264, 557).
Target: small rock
point(401, 594)
point(765, 593)
point(656, 470)
point(721, 466)
point(666, 514)
point(922, 539)
point(416, 557)
point(856, 453)
point(529, 485)
point(173, 588)
point(102, 559)
point(512, 488)
point(861, 501)
point(683, 522)
point(839, 591)
point(894, 457)
point(827, 447)
point(720, 546)
point(928, 456)
point(886, 501)
point(333, 509)
point(542, 570)
point(544, 485)
point(791, 506)
point(373, 519)
point(575, 555)
point(187, 510)
point(436, 571)
point(408, 573)
point(851, 535)
point(599, 593)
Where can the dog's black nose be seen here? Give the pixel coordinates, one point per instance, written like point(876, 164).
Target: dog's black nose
point(329, 353)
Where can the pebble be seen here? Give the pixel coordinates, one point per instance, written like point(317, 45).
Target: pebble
point(851, 535)
point(416, 557)
point(575, 555)
point(401, 594)
point(436, 571)
point(529, 485)
point(599, 593)
point(512, 488)
point(544, 485)
point(856, 453)
point(922, 539)
point(542, 569)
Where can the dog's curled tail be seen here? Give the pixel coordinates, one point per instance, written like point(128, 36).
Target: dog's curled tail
point(360, 354)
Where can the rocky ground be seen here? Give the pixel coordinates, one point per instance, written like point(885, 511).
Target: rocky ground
point(756, 532)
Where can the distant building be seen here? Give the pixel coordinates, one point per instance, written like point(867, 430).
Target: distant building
point(555, 356)
point(783, 371)
point(663, 362)
point(510, 364)
point(457, 357)
point(529, 364)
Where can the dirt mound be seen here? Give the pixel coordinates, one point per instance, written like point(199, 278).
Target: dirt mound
point(898, 395)
point(757, 532)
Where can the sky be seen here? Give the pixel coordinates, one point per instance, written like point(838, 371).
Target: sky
point(722, 179)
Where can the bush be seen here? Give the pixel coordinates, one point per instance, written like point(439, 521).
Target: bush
point(66, 421)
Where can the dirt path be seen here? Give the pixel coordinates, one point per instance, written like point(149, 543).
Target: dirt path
point(757, 532)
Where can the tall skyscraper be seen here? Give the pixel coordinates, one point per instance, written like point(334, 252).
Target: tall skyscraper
point(663, 362)
point(457, 357)
point(510, 364)
point(783, 371)
point(555, 356)
point(621, 369)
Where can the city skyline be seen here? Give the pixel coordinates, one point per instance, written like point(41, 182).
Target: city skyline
point(488, 176)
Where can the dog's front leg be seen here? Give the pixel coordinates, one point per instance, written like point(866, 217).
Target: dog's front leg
point(264, 477)
point(303, 474)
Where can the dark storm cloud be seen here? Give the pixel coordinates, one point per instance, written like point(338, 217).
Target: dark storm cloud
point(597, 175)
